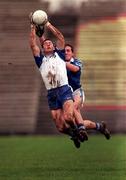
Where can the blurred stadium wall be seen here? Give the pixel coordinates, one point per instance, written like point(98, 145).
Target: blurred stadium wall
point(20, 82)
point(98, 32)
point(101, 42)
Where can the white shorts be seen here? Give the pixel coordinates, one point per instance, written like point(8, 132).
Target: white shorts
point(79, 92)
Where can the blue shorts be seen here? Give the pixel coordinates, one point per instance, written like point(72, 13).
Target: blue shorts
point(57, 96)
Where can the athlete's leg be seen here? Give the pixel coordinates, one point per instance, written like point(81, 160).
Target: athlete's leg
point(78, 101)
point(56, 114)
point(80, 130)
point(89, 124)
point(77, 106)
point(68, 110)
point(63, 127)
point(55, 105)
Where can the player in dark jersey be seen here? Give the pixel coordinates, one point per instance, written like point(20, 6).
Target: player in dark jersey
point(74, 67)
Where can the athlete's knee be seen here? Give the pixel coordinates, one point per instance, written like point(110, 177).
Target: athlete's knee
point(68, 116)
point(76, 106)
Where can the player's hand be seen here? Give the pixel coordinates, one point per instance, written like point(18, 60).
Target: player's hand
point(30, 17)
point(39, 29)
point(47, 24)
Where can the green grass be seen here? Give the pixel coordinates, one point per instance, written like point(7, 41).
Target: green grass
point(56, 158)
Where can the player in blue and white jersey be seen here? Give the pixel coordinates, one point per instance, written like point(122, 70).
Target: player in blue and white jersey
point(74, 67)
point(53, 71)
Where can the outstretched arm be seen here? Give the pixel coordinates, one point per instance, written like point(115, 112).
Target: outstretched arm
point(41, 39)
point(61, 41)
point(33, 41)
point(72, 67)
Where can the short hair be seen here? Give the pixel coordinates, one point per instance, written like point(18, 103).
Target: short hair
point(45, 41)
point(72, 49)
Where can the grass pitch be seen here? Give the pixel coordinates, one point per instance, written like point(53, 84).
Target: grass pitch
point(56, 158)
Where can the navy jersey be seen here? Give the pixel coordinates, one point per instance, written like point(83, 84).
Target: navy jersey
point(74, 77)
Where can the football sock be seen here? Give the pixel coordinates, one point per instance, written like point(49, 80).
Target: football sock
point(81, 126)
point(98, 126)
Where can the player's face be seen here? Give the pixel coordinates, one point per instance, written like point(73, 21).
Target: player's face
point(68, 53)
point(48, 46)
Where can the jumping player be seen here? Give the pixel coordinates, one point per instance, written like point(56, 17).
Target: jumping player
point(54, 74)
point(74, 67)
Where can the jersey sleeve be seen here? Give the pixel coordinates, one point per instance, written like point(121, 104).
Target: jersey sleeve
point(38, 60)
point(61, 53)
point(77, 63)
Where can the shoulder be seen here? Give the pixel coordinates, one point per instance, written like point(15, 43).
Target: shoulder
point(77, 62)
point(60, 50)
point(61, 53)
point(38, 59)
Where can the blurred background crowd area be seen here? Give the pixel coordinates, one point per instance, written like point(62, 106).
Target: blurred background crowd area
point(96, 29)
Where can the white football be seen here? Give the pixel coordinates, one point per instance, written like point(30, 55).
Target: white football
point(39, 17)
